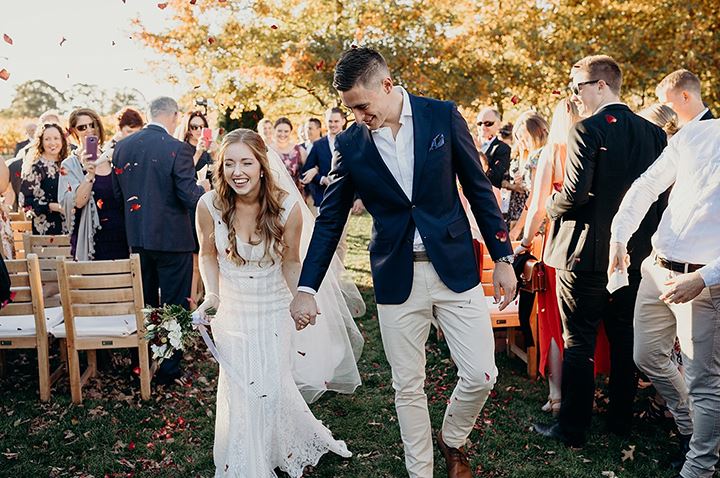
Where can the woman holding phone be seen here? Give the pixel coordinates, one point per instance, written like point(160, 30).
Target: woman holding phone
point(93, 215)
point(39, 188)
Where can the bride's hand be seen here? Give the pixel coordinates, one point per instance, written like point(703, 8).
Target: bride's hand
point(304, 310)
point(211, 301)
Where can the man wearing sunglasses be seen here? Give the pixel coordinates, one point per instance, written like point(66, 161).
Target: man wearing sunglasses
point(606, 152)
point(496, 151)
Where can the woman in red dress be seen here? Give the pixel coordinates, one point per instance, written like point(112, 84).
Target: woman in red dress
point(549, 177)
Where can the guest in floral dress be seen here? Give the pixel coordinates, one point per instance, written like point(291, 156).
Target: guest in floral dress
point(39, 188)
point(292, 155)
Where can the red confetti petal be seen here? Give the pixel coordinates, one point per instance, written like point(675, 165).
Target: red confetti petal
point(119, 170)
point(100, 203)
point(4, 74)
point(610, 119)
point(181, 421)
point(12, 295)
point(62, 171)
point(319, 65)
point(193, 2)
point(135, 207)
point(131, 446)
point(136, 370)
point(162, 6)
point(150, 445)
point(274, 27)
point(501, 236)
point(7, 39)
point(487, 376)
point(556, 92)
point(211, 40)
point(17, 174)
point(62, 40)
point(515, 99)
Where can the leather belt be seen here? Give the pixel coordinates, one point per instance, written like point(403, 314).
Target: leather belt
point(420, 256)
point(676, 266)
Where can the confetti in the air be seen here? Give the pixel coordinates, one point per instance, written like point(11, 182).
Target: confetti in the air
point(4, 74)
point(135, 207)
point(100, 203)
point(162, 6)
point(7, 39)
point(62, 40)
point(515, 99)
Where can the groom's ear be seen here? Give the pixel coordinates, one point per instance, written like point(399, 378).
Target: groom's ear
point(387, 85)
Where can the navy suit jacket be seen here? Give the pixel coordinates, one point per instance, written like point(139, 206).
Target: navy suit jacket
point(321, 157)
point(155, 176)
point(444, 151)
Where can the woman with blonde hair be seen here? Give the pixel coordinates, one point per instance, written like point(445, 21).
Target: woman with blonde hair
point(250, 229)
point(662, 116)
point(266, 130)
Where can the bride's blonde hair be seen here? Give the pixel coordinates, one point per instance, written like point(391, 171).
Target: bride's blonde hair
point(269, 226)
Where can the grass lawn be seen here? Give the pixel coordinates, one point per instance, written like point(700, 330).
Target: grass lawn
point(115, 434)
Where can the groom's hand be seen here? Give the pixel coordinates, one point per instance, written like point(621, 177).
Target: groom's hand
point(505, 284)
point(304, 310)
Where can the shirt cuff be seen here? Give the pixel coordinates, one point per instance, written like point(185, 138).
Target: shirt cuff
point(307, 290)
point(710, 274)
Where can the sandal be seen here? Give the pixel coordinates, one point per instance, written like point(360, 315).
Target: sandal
point(552, 405)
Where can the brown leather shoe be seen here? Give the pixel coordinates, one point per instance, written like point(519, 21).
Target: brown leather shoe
point(455, 459)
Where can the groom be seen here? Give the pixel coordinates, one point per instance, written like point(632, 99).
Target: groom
point(402, 156)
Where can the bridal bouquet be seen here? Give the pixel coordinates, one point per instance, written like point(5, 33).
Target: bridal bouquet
point(168, 329)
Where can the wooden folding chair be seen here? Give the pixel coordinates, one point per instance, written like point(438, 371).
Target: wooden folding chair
point(19, 228)
point(102, 303)
point(24, 323)
point(17, 216)
point(509, 317)
point(48, 249)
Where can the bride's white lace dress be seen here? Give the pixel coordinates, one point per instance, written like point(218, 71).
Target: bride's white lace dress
point(262, 421)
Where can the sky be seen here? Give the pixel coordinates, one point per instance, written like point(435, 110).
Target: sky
point(87, 56)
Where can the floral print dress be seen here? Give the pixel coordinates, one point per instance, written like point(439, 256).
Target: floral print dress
point(38, 189)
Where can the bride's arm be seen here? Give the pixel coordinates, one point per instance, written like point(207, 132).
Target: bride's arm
point(291, 254)
point(207, 257)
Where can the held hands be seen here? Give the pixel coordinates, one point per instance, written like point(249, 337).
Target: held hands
point(211, 301)
point(304, 310)
point(309, 175)
point(683, 288)
point(505, 284)
point(358, 207)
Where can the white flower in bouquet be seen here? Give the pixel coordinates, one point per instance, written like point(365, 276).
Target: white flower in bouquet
point(158, 351)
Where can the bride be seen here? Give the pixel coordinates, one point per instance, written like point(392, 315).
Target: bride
point(251, 232)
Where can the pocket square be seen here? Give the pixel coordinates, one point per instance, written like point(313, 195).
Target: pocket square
point(438, 142)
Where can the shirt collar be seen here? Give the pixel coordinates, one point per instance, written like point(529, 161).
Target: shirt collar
point(158, 124)
point(608, 104)
point(405, 113)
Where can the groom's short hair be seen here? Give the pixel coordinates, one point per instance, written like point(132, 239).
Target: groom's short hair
point(358, 66)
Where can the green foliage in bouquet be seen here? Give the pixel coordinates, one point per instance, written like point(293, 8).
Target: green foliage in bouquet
point(168, 329)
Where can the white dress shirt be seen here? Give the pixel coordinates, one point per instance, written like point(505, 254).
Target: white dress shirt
point(690, 226)
point(697, 118)
point(158, 124)
point(398, 153)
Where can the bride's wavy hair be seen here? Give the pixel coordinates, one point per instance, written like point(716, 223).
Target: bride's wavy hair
point(269, 226)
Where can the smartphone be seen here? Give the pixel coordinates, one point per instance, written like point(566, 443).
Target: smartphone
point(91, 147)
point(207, 137)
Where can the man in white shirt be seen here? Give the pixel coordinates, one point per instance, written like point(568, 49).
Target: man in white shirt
point(680, 288)
point(681, 91)
point(403, 156)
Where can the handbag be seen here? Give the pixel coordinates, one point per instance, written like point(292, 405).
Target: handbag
point(533, 276)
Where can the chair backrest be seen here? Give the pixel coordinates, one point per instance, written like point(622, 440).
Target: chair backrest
point(19, 228)
point(101, 288)
point(27, 287)
point(48, 250)
point(17, 216)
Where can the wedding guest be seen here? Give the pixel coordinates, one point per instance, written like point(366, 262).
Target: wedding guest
point(505, 134)
point(292, 155)
point(93, 215)
point(155, 177)
point(680, 287)
point(7, 242)
point(190, 131)
point(39, 188)
point(530, 134)
point(663, 116)
point(497, 151)
point(549, 177)
point(607, 151)
point(129, 121)
point(313, 129)
point(266, 130)
point(30, 129)
point(681, 91)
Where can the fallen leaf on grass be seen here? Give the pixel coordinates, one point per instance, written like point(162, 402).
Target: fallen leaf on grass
point(628, 454)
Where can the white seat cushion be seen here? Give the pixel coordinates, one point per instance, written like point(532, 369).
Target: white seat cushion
point(24, 325)
point(103, 326)
point(512, 307)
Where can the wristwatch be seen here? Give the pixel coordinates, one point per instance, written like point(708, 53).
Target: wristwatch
point(506, 259)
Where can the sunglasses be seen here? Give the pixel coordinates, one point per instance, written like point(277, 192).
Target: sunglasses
point(195, 127)
point(576, 88)
point(487, 124)
point(83, 127)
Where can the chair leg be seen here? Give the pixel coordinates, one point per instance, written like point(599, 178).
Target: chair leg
point(144, 359)
point(3, 366)
point(74, 372)
point(532, 352)
point(92, 363)
point(510, 340)
point(44, 368)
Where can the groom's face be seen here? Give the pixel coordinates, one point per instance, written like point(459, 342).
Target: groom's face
point(370, 104)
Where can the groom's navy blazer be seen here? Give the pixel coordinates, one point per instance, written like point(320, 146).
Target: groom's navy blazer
point(444, 151)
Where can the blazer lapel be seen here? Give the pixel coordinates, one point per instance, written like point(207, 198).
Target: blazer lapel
point(421, 137)
point(371, 153)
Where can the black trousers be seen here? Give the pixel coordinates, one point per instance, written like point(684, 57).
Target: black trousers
point(584, 302)
point(167, 279)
